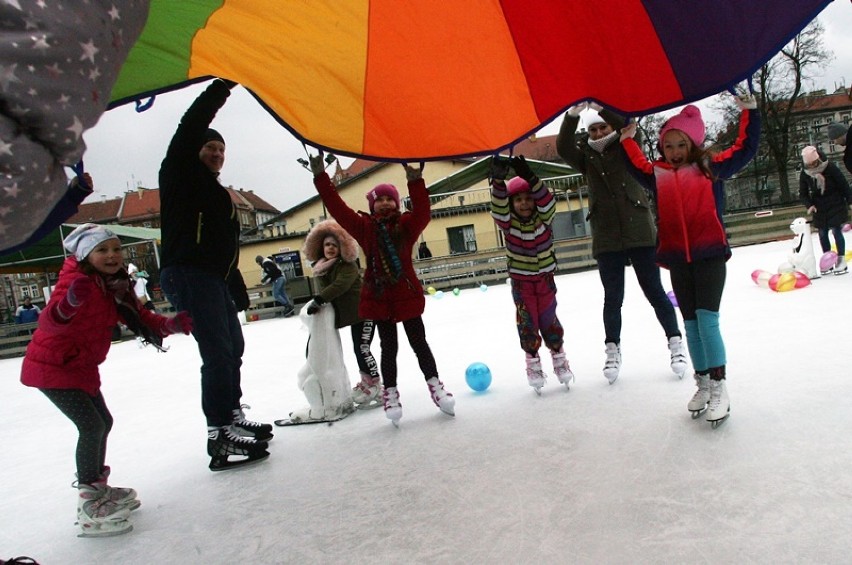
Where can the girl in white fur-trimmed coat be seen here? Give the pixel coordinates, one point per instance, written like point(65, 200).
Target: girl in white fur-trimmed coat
point(333, 254)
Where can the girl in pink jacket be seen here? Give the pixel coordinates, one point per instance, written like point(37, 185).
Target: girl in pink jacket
point(74, 334)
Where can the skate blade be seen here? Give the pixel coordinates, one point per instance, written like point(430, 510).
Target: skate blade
point(288, 422)
point(240, 464)
point(368, 405)
point(697, 413)
point(716, 423)
point(99, 533)
point(395, 423)
point(448, 412)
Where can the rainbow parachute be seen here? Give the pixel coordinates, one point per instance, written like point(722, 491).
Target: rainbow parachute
point(427, 79)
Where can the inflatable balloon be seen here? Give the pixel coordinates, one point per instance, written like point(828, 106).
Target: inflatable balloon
point(431, 290)
point(478, 376)
point(802, 279)
point(456, 291)
point(439, 295)
point(782, 282)
point(509, 280)
point(483, 287)
point(827, 261)
point(846, 228)
point(761, 277)
point(672, 298)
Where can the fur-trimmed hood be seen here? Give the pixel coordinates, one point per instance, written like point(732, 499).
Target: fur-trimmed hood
point(312, 250)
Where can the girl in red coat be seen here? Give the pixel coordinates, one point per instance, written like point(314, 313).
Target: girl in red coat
point(74, 334)
point(391, 292)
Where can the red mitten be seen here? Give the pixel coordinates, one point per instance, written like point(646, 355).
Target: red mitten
point(180, 323)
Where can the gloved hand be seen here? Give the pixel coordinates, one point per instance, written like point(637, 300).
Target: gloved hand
point(414, 174)
point(499, 167)
point(238, 291)
point(317, 163)
point(595, 106)
point(575, 110)
point(83, 183)
point(314, 305)
point(628, 131)
point(522, 169)
point(746, 101)
point(812, 209)
point(79, 291)
point(180, 323)
point(229, 83)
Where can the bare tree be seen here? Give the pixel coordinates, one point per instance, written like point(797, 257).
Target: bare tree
point(779, 88)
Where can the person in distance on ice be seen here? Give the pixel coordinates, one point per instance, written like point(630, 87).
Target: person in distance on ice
point(523, 210)
point(200, 252)
point(392, 292)
point(73, 337)
point(826, 194)
point(623, 228)
point(687, 184)
point(840, 134)
point(272, 273)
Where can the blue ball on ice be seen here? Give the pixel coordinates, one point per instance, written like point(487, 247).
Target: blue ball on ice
point(478, 376)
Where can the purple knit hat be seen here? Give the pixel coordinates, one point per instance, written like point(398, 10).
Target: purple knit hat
point(383, 189)
point(689, 122)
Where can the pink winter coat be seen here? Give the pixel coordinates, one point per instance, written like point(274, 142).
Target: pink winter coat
point(403, 299)
point(67, 355)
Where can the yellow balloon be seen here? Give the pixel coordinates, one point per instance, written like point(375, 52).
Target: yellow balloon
point(431, 290)
point(786, 282)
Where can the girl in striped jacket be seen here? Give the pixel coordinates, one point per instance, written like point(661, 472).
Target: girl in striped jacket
point(523, 210)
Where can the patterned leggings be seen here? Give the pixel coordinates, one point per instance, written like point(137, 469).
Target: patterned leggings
point(93, 420)
point(416, 332)
point(362, 338)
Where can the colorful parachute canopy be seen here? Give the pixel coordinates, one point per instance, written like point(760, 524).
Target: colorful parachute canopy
point(421, 80)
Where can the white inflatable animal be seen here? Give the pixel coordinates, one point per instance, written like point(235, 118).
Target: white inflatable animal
point(323, 378)
point(801, 258)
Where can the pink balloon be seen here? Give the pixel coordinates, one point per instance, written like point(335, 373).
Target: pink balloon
point(827, 261)
point(846, 227)
point(761, 277)
point(672, 298)
point(802, 279)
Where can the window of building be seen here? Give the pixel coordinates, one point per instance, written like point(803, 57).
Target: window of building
point(462, 239)
point(34, 292)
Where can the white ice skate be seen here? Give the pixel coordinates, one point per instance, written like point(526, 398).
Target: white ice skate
point(367, 393)
point(719, 407)
point(612, 365)
point(393, 407)
point(123, 496)
point(535, 376)
point(98, 516)
point(678, 352)
point(561, 368)
point(840, 267)
point(441, 397)
point(701, 397)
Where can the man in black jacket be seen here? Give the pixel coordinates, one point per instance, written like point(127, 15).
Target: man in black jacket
point(200, 238)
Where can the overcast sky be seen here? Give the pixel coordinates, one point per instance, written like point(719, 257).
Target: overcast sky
point(125, 148)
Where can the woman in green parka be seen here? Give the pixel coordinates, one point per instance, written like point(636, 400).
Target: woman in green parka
point(333, 254)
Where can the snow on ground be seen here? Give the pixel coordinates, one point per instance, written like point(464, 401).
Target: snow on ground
point(600, 474)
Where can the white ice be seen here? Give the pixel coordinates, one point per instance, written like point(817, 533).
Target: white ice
point(600, 474)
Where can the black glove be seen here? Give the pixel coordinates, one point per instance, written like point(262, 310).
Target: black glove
point(499, 168)
point(523, 170)
point(237, 289)
point(314, 305)
point(229, 83)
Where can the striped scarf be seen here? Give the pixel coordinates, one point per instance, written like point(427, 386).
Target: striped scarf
point(386, 266)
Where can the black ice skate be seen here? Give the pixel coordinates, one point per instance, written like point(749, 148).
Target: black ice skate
point(225, 442)
point(247, 428)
